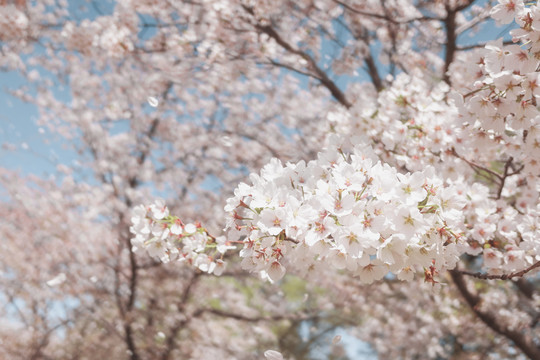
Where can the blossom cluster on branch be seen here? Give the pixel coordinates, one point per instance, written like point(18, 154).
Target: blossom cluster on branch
point(349, 211)
point(421, 207)
point(166, 238)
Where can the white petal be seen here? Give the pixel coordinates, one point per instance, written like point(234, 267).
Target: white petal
point(273, 355)
point(276, 271)
point(152, 101)
point(190, 228)
point(57, 280)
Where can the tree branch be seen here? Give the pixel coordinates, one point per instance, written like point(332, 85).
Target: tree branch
point(321, 75)
point(384, 17)
point(451, 36)
point(373, 72)
point(171, 339)
point(505, 175)
point(371, 67)
point(500, 277)
point(451, 42)
point(255, 319)
point(522, 341)
point(476, 167)
point(291, 68)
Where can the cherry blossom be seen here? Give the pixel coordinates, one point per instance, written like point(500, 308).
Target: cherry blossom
point(377, 170)
point(166, 238)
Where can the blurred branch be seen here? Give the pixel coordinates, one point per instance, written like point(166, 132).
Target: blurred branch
point(321, 75)
point(451, 36)
point(258, 318)
point(369, 61)
point(480, 45)
point(522, 341)
point(477, 168)
point(173, 333)
point(384, 17)
point(500, 277)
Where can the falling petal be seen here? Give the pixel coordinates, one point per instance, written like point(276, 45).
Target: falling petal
point(152, 101)
point(336, 339)
point(57, 280)
point(273, 355)
point(276, 271)
point(226, 141)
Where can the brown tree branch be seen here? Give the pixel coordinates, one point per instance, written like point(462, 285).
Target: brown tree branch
point(173, 333)
point(525, 287)
point(292, 68)
point(451, 42)
point(504, 176)
point(480, 45)
point(384, 16)
point(373, 72)
point(321, 75)
point(369, 61)
point(241, 317)
point(451, 36)
point(521, 340)
point(476, 166)
point(500, 277)
point(133, 354)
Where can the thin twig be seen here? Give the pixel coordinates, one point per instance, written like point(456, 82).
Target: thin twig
point(242, 317)
point(384, 17)
point(321, 75)
point(474, 165)
point(505, 175)
point(484, 276)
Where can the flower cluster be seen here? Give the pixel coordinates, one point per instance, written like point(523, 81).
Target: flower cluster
point(167, 238)
point(411, 123)
point(506, 237)
point(13, 23)
point(502, 104)
point(348, 211)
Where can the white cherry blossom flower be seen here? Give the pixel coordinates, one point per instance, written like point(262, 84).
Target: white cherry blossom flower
point(507, 10)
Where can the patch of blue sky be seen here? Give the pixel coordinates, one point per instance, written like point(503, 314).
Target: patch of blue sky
point(328, 338)
point(25, 146)
point(55, 311)
point(90, 9)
